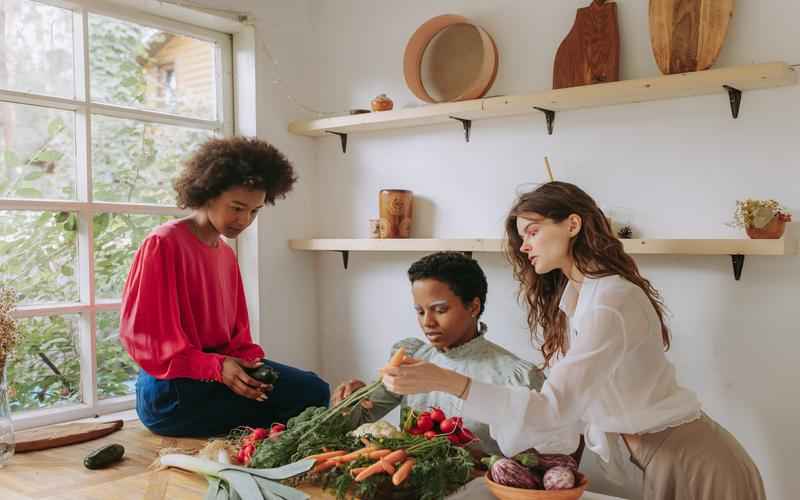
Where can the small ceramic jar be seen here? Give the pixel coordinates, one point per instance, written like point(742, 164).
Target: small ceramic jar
point(382, 103)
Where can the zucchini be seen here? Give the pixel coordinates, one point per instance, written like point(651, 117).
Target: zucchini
point(103, 457)
point(263, 373)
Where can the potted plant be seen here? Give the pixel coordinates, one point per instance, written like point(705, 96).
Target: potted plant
point(761, 219)
point(10, 335)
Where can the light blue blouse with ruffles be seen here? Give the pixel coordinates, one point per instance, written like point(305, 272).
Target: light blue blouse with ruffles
point(480, 359)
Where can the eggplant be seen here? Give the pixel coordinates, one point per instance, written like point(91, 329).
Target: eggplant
point(547, 461)
point(264, 373)
point(559, 478)
point(510, 473)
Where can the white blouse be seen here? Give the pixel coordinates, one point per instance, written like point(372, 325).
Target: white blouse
point(614, 379)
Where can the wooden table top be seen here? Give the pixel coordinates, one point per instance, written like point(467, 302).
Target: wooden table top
point(59, 473)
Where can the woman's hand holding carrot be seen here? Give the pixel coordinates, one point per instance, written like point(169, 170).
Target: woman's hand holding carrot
point(414, 377)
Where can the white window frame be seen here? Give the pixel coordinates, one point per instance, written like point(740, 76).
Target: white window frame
point(235, 42)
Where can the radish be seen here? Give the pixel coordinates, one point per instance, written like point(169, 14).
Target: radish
point(424, 422)
point(450, 425)
point(416, 431)
point(259, 433)
point(430, 434)
point(465, 436)
point(438, 416)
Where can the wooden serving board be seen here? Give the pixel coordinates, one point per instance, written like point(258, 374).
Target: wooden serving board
point(590, 52)
point(687, 35)
point(62, 435)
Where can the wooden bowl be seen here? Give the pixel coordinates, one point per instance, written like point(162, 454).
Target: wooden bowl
point(454, 75)
point(508, 493)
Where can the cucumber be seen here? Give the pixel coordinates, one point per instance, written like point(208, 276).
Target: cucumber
point(263, 374)
point(103, 457)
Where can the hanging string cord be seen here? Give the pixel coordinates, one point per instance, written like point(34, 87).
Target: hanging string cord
point(247, 19)
point(277, 82)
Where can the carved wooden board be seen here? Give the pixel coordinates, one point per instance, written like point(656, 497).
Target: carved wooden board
point(687, 35)
point(590, 52)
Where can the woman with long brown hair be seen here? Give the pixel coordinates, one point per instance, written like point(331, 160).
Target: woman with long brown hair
point(603, 335)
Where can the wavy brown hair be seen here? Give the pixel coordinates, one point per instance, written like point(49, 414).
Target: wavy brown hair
point(224, 163)
point(595, 251)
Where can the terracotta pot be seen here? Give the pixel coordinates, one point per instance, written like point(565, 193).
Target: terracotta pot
point(771, 231)
point(508, 493)
point(396, 213)
point(382, 103)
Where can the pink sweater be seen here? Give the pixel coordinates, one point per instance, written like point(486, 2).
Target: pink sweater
point(183, 307)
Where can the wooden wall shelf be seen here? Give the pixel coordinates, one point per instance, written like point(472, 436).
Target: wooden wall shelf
point(737, 249)
point(732, 81)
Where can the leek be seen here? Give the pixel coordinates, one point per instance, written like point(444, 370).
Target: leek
point(231, 482)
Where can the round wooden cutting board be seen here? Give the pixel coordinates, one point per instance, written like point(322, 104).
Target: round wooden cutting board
point(687, 35)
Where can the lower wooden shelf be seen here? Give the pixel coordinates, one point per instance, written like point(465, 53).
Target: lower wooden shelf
point(737, 249)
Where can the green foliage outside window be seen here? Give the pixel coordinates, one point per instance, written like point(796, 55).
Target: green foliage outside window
point(132, 162)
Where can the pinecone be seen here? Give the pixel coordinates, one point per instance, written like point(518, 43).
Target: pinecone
point(625, 233)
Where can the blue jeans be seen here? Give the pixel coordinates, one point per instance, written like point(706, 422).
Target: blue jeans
point(185, 407)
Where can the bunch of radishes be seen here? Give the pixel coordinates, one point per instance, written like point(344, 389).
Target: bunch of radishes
point(249, 442)
point(535, 471)
point(434, 423)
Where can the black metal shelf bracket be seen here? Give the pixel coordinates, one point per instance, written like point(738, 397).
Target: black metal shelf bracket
point(342, 137)
point(735, 97)
point(467, 126)
point(345, 257)
point(738, 264)
point(550, 116)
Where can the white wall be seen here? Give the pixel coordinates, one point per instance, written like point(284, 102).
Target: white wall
point(677, 166)
point(287, 284)
point(285, 45)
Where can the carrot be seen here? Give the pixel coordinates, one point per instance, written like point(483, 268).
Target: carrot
point(385, 464)
point(356, 471)
point(389, 468)
point(370, 471)
point(353, 455)
point(379, 453)
point(397, 358)
point(403, 472)
point(323, 466)
point(326, 455)
point(395, 456)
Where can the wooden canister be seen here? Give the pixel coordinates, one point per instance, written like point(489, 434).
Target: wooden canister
point(395, 211)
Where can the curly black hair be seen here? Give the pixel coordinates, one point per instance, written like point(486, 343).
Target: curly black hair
point(224, 163)
point(461, 274)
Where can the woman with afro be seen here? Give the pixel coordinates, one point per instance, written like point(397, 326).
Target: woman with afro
point(184, 318)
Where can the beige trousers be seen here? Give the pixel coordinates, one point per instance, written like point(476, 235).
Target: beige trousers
point(699, 460)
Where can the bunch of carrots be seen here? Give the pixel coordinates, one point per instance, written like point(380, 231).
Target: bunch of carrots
point(430, 463)
point(386, 460)
point(395, 463)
